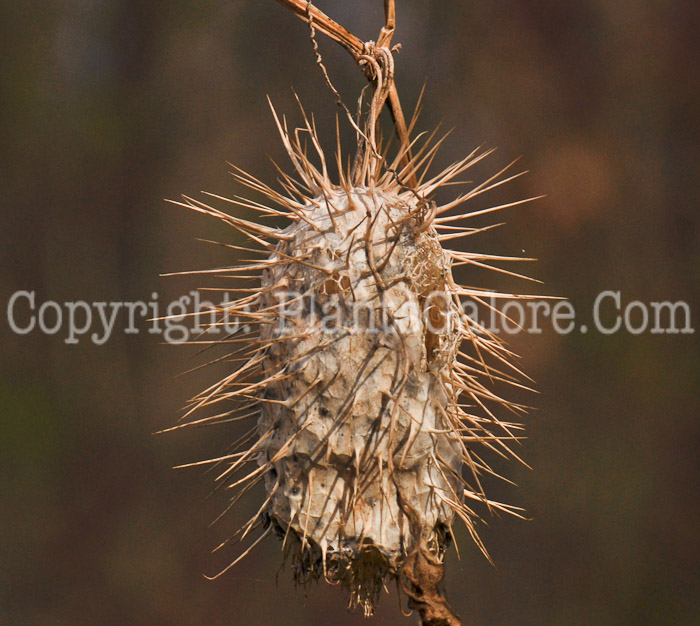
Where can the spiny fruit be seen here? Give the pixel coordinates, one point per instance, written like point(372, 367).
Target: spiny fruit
point(370, 386)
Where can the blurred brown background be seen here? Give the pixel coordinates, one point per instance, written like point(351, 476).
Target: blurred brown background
point(110, 106)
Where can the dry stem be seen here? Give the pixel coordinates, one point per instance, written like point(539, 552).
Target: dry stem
point(421, 575)
point(358, 50)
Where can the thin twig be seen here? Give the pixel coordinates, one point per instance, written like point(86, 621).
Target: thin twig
point(327, 26)
point(357, 49)
point(384, 39)
point(319, 61)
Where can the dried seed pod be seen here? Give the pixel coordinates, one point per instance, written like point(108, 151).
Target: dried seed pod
point(368, 414)
point(359, 423)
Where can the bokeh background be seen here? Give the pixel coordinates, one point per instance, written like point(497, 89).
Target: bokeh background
point(110, 106)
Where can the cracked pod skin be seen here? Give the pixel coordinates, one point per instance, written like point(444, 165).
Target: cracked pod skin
point(355, 429)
